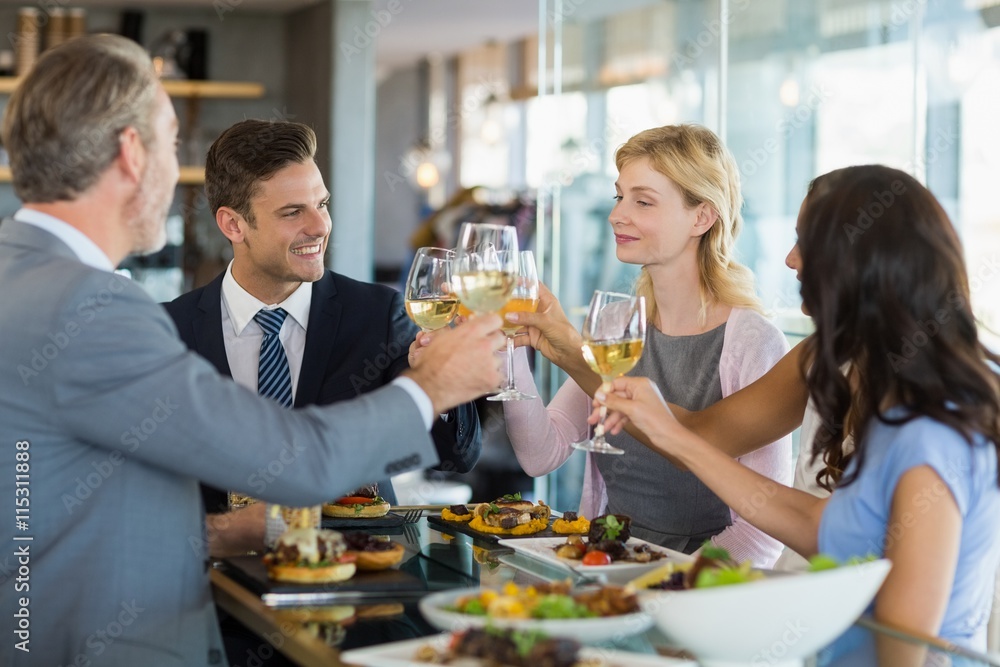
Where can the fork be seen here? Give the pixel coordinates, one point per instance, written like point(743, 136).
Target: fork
point(412, 515)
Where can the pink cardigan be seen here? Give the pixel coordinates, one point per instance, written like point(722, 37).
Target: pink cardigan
point(542, 436)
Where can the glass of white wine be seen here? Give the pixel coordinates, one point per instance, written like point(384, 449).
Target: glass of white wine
point(430, 301)
point(523, 299)
point(613, 337)
point(485, 268)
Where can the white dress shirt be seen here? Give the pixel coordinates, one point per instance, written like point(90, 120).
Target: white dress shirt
point(242, 335)
point(86, 250)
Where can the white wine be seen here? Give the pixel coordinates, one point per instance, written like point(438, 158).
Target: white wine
point(432, 314)
point(610, 359)
point(484, 291)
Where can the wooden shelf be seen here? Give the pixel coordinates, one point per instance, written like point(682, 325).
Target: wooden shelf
point(189, 175)
point(245, 90)
point(192, 176)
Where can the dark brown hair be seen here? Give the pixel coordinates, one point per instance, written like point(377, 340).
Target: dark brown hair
point(884, 279)
point(248, 153)
point(63, 123)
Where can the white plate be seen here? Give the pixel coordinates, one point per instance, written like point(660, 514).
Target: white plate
point(584, 630)
point(542, 549)
point(401, 654)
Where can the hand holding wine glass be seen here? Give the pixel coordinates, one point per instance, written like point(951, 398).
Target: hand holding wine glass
point(613, 337)
point(524, 298)
point(430, 301)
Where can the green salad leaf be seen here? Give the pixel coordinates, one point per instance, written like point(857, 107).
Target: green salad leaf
point(511, 497)
point(725, 576)
point(560, 606)
point(612, 526)
point(474, 607)
point(525, 640)
point(820, 562)
point(709, 550)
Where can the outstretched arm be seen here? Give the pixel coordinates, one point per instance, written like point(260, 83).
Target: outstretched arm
point(746, 420)
point(789, 515)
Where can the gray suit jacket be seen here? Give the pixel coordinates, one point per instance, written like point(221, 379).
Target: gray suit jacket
point(122, 422)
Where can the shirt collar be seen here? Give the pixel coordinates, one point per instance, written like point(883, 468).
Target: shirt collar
point(243, 306)
point(82, 246)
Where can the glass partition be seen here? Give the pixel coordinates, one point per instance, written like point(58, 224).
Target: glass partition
point(795, 89)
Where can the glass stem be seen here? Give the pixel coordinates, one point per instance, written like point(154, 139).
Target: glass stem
point(510, 364)
point(599, 429)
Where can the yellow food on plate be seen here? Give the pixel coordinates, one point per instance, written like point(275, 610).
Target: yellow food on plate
point(529, 528)
point(579, 527)
point(448, 515)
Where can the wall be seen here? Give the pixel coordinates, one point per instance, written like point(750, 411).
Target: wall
point(242, 46)
point(397, 202)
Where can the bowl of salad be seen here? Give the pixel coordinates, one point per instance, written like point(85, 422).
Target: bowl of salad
point(588, 615)
point(727, 613)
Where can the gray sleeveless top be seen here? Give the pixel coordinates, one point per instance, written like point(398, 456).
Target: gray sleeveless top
point(668, 506)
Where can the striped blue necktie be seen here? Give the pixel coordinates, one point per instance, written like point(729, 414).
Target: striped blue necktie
point(274, 379)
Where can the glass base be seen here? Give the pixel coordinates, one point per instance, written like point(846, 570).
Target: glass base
point(510, 395)
point(597, 447)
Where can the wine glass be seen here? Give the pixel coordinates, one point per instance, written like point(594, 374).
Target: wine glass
point(430, 301)
point(524, 298)
point(613, 336)
point(485, 268)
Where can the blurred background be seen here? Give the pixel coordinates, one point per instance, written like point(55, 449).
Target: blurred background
point(434, 112)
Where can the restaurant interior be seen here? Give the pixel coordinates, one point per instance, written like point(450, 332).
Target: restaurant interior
point(521, 104)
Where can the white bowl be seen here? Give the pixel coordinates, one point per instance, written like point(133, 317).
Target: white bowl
point(584, 630)
point(775, 621)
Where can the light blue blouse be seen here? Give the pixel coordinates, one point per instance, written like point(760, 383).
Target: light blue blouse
point(856, 519)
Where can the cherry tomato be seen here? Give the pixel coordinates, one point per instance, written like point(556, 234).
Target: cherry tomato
point(597, 558)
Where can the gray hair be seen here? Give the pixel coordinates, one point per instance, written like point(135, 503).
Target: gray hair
point(63, 123)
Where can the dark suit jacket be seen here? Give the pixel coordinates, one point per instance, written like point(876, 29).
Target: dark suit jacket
point(357, 340)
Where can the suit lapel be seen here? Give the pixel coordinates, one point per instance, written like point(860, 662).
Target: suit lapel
point(324, 320)
point(207, 325)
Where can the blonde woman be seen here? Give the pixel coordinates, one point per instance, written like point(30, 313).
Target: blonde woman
point(678, 215)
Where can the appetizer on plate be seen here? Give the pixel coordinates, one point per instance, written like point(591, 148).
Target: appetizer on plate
point(607, 543)
point(458, 513)
point(548, 601)
point(510, 515)
point(371, 553)
point(571, 524)
point(309, 556)
point(506, 648)
point(363, 503)
point(713, 567)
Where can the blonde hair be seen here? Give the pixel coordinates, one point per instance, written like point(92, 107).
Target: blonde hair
point(704, 170)
point(63, 122)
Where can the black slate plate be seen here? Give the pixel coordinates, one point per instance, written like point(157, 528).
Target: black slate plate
point(390, 520)
point(394, 584)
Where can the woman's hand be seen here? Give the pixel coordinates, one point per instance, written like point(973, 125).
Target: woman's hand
point(549, 331)
point(638, 400)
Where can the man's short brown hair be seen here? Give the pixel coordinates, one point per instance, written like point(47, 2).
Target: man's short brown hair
point(248, 153)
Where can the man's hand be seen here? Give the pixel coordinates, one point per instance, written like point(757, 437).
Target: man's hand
point(459, 364)
point(549, 331)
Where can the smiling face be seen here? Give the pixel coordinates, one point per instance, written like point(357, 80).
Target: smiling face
point(286, 244)
point(652, 223)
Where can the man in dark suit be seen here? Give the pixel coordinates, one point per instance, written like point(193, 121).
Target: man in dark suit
point(342, 337)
